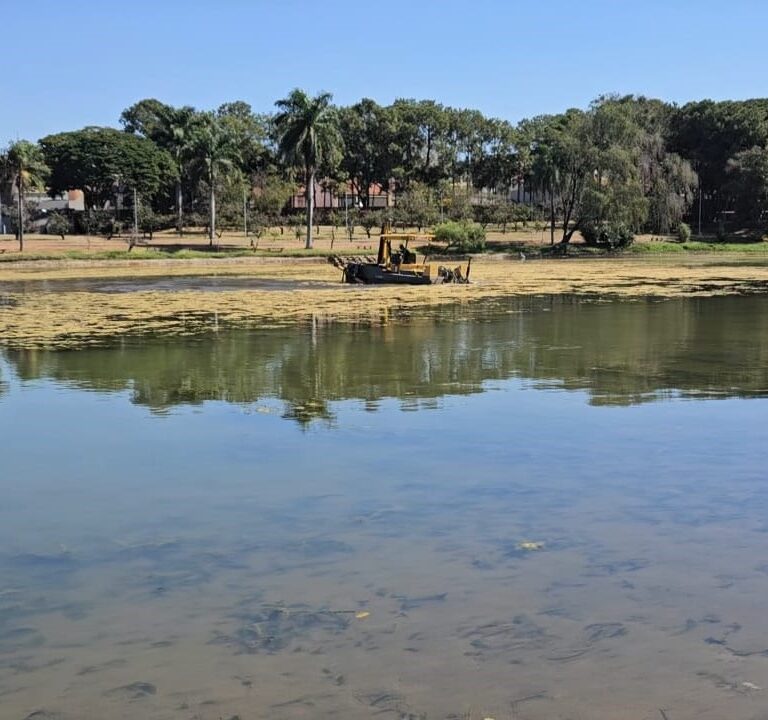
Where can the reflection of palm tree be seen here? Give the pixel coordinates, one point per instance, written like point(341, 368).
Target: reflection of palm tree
point(28, 170)
point(308, 136)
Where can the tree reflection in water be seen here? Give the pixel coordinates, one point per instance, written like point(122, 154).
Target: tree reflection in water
point(621, 353)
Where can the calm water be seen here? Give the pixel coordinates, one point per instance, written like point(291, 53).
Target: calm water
point(330, 521)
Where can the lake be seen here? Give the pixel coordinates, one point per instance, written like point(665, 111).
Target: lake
point(535, 508)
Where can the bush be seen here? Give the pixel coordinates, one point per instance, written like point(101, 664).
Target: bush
point(610, 235)
point(461, 236)
point(370, 219)
point(57, 225)
point(97, 222)
point(683, 232)
point(150, 222)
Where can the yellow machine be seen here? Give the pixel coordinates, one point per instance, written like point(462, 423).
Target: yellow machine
point(402, 259)
point(398, 265)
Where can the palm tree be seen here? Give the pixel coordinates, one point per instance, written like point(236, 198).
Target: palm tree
point(177, 138)
point(307, 136)
point(216, 151)
point(28, 170)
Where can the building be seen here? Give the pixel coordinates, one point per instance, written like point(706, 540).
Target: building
point(327, 198)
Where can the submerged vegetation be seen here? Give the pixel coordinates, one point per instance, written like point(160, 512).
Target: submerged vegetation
point(29, 319)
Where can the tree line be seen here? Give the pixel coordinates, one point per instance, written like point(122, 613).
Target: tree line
point(623, 165)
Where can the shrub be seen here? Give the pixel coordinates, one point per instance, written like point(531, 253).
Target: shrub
point(683, 232)
point(57, 225)
point(610, 235)
point(97, 222)
point(371, 219)
point(150, 222)
point(461, 236)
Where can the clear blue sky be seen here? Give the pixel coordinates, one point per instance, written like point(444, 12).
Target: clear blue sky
point(67, 65)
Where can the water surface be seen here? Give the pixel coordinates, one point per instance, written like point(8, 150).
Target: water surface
point(541, 508)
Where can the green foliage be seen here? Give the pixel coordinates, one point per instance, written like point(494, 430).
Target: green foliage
point(683, 232)
point(151, 222)
point(370, 154)
point(97, 222)
point(271, 194)
point(607, 234)
point(627, 160)
point(416, 207)
point(371, 219)
point(308, 137)
point(458, 206)
point(98, 160)
point(57, 224)
point(12, 211)
point(26, 166)
point(461, 236)
point(748, 183)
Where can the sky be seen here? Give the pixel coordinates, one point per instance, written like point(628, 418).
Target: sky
point(68, 65)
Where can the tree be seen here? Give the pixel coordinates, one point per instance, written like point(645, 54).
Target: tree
point(215, 152)
point(416, 206)
point(308, 136)
point(587, 165)
point(748, 171)
point(97, 160)
point(370, 220)
point(270, 194)
point(709, 134)
point(147, 118)
point(57, 224)
point(170, 128)
point(28, 170)
point(368, 132)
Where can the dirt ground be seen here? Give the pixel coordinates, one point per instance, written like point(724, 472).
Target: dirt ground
point(273, 241)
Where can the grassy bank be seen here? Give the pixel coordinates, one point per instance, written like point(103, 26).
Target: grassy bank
point(532, 241)
point(158, 254)
point(698, 246)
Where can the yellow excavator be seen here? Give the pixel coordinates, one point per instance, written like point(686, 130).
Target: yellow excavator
point(398, 266)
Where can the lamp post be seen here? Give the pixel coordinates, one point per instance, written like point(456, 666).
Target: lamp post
point(699, 207)
point(135, 215)
point(245, 213)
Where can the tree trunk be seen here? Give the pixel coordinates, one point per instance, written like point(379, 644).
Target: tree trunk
point(180, 215)
point(310, 195)
point(21, 210)
point(212, 218)
point(551, 216)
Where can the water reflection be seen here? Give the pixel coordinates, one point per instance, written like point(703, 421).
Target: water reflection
point(621, 353)
point(508, 554)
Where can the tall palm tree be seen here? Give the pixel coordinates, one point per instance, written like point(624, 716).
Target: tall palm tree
point(29, 170)
point(178, 134)
point(307, 136)
point(216, 151)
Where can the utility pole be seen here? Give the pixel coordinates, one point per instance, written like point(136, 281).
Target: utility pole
point(699, 207)
point(21, 209)
point(245, 213)
point(135, 215)
point(346, 213)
